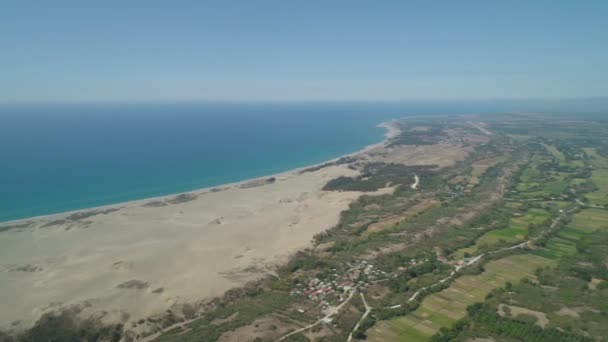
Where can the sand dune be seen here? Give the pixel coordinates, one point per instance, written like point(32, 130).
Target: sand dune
point(148, 255)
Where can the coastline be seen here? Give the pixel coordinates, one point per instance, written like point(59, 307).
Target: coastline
point(142, 257)
point(391, 131)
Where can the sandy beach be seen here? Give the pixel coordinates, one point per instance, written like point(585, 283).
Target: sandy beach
point(130, 261)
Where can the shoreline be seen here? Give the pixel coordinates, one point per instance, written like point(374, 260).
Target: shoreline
point(391, 131)
point(145, 256)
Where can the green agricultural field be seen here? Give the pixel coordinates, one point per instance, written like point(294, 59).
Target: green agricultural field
point(517, 231)
point(556, 204)
point(600, 179)
point(535, 183)
point(556, 188)
point(577, 181)
point(557, 248)
point(555, 152)
point(576, 163)
point(531, 172)
point(597, 160)
point(583, 223)
point(589, 220)
point(570, 233)
point(442, 309)
point(570, 298)
point(513, 205)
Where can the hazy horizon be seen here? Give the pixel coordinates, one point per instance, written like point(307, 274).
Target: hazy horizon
point(313, 51)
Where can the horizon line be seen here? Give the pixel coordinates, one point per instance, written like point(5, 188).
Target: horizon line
point(303, 101)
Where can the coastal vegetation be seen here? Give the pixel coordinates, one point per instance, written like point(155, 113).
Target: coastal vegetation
point(506, 243)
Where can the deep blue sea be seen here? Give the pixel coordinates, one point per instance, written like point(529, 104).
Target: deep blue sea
point(55, 158)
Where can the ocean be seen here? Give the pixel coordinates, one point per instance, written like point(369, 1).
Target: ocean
point(64, 157)
point(56, 158)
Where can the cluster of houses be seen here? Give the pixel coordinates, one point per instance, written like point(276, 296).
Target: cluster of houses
point(413, 262)
point(360, 273)
point(458, 191)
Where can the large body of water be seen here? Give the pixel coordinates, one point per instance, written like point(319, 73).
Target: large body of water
point(56, 158)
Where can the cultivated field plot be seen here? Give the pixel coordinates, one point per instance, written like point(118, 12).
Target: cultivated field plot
point(555, 152)
point(556, 248)
point(445, 307)
point(597, 160)
point(556, 204)
point(600, 179)
point(589, 220)
point(479, 168)
point(583, 223)
point(534, 184)
point(517, 231)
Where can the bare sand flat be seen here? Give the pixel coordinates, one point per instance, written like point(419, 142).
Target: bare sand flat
point(148, 255)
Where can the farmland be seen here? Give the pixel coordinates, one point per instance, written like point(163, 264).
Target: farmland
point(444, 308)
point(572, 297)
point(517, 230)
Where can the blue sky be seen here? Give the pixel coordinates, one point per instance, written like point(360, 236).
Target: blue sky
point(301, 50)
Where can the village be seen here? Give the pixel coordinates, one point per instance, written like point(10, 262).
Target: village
point(359, 274)
point(334, 289)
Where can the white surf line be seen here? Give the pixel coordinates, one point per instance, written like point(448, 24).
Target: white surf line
point(333, 312)
point(416, 182)
point(368, 309)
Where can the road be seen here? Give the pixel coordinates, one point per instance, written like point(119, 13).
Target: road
point(481, 128)
point(416, 182)
point(582, 204)
point(368, 309)
point(324, 319)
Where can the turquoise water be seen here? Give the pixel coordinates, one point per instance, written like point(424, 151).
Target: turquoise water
point(57, 158)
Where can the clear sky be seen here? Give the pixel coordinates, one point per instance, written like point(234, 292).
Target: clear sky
point(302, 50)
